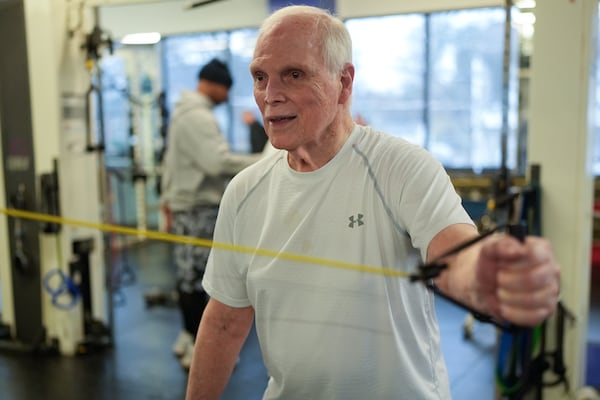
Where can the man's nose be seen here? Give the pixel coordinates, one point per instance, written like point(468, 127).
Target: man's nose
point(274, 91)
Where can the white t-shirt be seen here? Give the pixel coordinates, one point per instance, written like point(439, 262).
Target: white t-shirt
point(327, 332)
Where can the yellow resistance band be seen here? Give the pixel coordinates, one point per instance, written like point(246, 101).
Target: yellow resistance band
point(168, 237)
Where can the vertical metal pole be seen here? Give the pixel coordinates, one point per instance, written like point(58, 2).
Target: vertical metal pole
point(427, 83)
point(19, 175)
point(98, 147)
point(506, 82)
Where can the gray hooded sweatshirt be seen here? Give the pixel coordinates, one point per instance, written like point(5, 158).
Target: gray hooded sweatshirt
point(198, 161)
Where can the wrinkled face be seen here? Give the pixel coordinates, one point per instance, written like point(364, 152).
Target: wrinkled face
point(293, 88)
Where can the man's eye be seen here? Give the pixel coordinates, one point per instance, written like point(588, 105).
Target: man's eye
point(295, 74)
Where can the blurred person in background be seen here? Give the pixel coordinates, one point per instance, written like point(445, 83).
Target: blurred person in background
point(198, 164)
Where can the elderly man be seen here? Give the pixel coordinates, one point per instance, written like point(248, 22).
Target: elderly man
point(336, 190)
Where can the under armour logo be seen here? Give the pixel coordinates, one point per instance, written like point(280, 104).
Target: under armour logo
point(356, 220)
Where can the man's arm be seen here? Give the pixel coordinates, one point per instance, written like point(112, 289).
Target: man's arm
point(499, 276)
point(221, 335)
point(208, 149)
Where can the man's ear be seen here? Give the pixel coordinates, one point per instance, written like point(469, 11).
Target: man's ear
point(346, 80)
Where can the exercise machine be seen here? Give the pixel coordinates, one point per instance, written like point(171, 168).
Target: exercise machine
point(52, 276)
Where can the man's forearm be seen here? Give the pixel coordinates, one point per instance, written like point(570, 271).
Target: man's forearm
point(218, 343)
point(459, 282)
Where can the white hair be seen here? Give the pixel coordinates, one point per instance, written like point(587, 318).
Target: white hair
point(337, 44)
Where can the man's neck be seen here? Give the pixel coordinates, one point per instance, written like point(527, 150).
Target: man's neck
point(314, 156)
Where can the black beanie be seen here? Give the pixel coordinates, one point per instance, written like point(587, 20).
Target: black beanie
point(216, 71)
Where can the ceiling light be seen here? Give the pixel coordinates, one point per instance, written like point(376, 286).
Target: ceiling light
point(141, 38)
point(525, 4)
point(525, 18)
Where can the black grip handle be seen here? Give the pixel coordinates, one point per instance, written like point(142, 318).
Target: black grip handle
point(518, 231)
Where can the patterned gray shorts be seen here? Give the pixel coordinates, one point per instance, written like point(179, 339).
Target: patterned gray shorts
point(190, 260)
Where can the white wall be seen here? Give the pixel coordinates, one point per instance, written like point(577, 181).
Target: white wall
point(361, 8)
point(6, 293)
point(171, 17)
point(561, 139)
